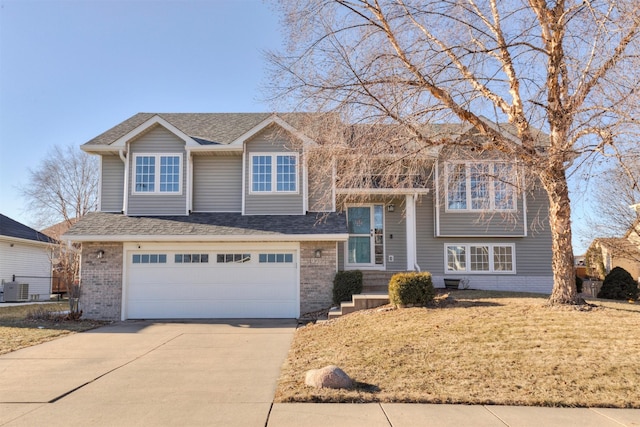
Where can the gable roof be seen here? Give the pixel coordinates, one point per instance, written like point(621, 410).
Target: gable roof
point(16, 230)
point(203, 128)
point(225, 131)
point(57, 230)
point(619, 246)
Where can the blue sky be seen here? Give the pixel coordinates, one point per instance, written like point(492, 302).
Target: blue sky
point(70, 70)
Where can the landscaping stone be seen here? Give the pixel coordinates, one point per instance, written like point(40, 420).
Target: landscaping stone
point(328, 377)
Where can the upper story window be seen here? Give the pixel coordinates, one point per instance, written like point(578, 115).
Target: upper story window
point(157, 173)
point(480, 186)
point(264, 179)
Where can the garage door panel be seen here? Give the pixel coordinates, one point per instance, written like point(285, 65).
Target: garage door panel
point(211, 289)
point(212, 309)
point(226, 291)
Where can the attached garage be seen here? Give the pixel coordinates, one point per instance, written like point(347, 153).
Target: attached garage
point(234, 280)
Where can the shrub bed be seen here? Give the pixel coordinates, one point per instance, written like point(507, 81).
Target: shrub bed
point(411, 289)
point(619, 285)
point(345, 284)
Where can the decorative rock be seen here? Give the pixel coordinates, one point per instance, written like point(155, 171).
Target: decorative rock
point(328, 377)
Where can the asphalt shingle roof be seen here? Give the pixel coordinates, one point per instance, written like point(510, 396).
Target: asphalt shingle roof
point(204, 128)
point(224, 128)
point(12, 228)
point(208, 224)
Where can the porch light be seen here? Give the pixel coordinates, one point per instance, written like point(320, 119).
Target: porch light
point(318, 253)
point(391, 208)
point(100, 254)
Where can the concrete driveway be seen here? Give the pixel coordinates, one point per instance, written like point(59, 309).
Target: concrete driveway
point(144, 373)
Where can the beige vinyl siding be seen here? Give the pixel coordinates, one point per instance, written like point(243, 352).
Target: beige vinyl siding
point(217, 184)
point(535, 250)
point(395, 236)
point(272, 141)
point(158, 140)
point(428, 247)
point(533, 253)
point(320, 177)
point(487, 224)
point(112, 184)
point(460, 223)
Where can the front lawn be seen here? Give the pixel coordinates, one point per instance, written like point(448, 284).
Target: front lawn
point(30, 324)
point(476, 348)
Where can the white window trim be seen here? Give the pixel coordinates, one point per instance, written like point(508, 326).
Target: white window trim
point(468, 270)
point(157, 175)
point(274, 172)
point(492, 197)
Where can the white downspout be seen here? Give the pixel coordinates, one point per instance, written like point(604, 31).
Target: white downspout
point(189, 182)
point(125, 198)
point(410, 205)
point(244, 176)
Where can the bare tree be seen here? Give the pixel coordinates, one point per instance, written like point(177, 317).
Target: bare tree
point(614, 191)
point(61, 190)
point(64, 186)
point(568, 68)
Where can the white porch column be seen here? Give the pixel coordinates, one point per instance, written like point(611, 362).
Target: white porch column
point(410, 206)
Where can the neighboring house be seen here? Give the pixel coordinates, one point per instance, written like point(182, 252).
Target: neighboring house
point(25, 256)
point(614, 252)
point(225, 215)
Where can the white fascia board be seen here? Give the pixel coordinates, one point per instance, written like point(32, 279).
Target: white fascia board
point(383, 191)
point(155, 120)
point(26, 241)
point(213, 147)
point(212, 238)
point(99, 149)
point(482, 236)
point(270, 120)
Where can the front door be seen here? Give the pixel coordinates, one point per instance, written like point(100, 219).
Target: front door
point(366, 236)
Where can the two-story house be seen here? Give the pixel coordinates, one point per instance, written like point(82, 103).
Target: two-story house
point(230, 216)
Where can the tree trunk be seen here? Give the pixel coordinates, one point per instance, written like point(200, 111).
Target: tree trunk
point(564, 283)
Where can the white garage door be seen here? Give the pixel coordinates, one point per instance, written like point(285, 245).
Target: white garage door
point(200, 283)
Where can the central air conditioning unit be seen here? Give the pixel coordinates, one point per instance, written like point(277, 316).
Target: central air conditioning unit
point(16, 292)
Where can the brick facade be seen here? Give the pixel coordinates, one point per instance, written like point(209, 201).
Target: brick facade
point(316, 275)
point(101, 281)
point(101, 278)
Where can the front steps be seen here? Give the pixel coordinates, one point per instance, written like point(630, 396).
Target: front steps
point(375, 293)
point(376, 282)
point(359, 302)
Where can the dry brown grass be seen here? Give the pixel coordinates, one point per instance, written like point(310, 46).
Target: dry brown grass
point(26, 325)
point(478, 348)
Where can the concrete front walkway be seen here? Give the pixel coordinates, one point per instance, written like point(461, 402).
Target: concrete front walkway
point(148, 374)
point(213, 373)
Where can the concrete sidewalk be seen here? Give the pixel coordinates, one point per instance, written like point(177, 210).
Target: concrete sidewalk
point(405, 415)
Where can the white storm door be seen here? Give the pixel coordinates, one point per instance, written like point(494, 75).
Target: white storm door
point(365, 247)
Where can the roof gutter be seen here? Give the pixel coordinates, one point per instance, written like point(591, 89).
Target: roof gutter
point(210, 238)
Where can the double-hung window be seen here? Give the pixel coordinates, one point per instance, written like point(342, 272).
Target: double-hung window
point(480, 186)
point(158, 173)
point(480, 258)
point(274, 173)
